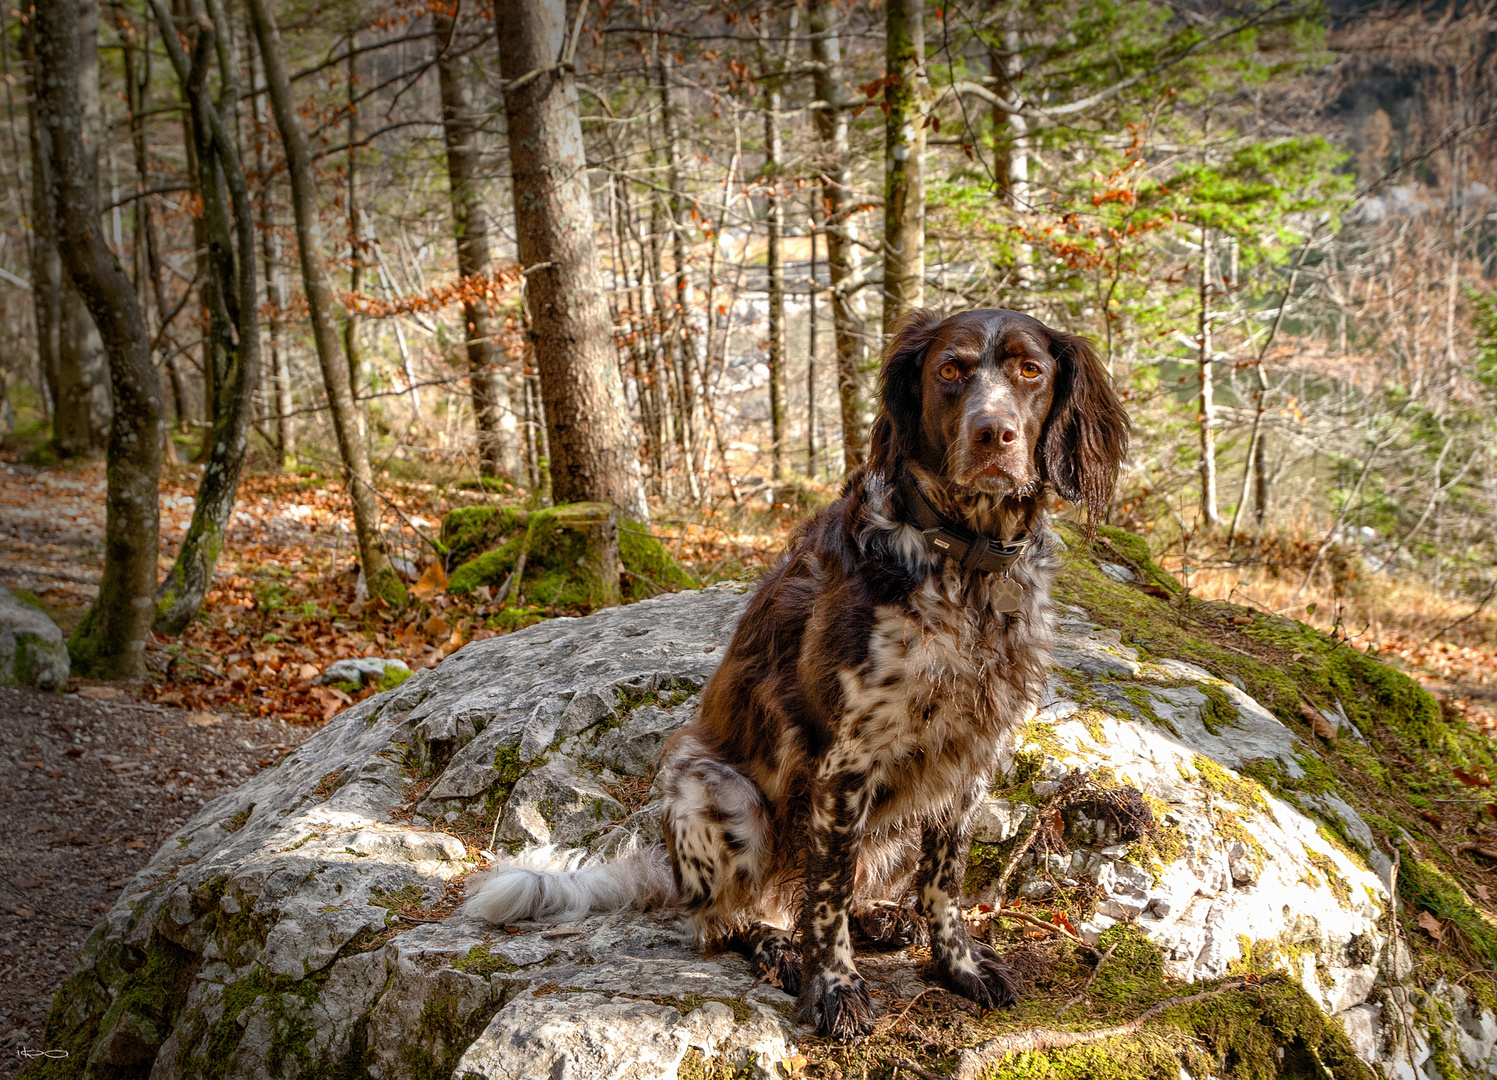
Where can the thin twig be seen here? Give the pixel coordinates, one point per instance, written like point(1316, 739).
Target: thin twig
point(900, 1018)
point(1086, 987)
point(924, 1074)
point(1054, 928)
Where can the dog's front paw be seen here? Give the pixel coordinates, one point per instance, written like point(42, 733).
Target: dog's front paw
point(890, 926)
point(837, 1003)
point(778, 960)
point(981, 975)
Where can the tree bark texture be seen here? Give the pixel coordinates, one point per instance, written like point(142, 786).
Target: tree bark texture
point(470, 226)
point(234, 327)
point(80, 423)
point(46, 263)
point(904, 150)
point(774, 214)
point(687, 345)
point(841, 253)
point(378, 573)
point(1207, 412)
point(110, 642)
point(593, 456)
point(355, 225)
point(280, 361)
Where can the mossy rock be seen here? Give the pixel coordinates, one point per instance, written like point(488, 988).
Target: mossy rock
point(561, 569)
point(1398, 770)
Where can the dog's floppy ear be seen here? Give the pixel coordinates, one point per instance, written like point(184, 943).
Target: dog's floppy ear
point(1086, 434)
point(897, 426)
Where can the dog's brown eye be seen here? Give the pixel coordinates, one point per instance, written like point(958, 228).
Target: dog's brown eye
point(950, 372)
point(1030, 370)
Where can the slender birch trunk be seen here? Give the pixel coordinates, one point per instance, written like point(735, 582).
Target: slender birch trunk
point(379, 575)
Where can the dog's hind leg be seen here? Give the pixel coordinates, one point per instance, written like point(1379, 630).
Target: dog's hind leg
point(718, 838)
point(968, 967)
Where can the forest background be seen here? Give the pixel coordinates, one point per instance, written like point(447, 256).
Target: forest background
point(292, 248)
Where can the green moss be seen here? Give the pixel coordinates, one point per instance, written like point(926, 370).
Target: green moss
point(696, 1066)
point(392, 678)
point(648, 568)
point(442, 1034)
point(1224, 783)
point(1339, 886)
point(487, 542)
point(483, 963)
point(1425, 887)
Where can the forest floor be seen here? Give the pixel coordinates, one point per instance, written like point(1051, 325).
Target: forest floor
point(95, 779)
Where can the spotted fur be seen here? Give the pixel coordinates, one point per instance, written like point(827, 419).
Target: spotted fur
point(842, 746)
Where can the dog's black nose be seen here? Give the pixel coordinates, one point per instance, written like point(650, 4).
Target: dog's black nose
point(1004, 430)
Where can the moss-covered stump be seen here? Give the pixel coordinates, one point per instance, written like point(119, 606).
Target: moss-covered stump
point(308, 924)
point(573, 555)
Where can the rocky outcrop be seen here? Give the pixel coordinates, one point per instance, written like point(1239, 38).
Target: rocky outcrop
point(308, 923)
point(33, 651)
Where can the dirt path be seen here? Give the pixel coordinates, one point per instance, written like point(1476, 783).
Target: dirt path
point(89, 790)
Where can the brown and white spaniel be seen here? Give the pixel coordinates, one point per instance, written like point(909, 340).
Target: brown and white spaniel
point(846, 740)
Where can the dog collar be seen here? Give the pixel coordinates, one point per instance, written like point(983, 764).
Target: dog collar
point(973, 550)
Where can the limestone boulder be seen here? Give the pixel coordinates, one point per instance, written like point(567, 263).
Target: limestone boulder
point(33, 651)
point(309, 923)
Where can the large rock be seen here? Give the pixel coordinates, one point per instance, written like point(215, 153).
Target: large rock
point(305, 925)
point(33, 651)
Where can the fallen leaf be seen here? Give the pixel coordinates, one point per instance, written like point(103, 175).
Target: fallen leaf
point(1476, 779)
point(307, 671)
point(1296, 656)
point(793, 1064)
point(101, 693)
point(74, 751)
point(1483, 894)
point(22, 911)
point(1318, 723)
point(134, 845)
point(435, 627)
point(433, 580)
point(1431, 925)
point(1433, 819)
point(1242, 620)
point(29, 883)
point(56, 774)
point(202, 719)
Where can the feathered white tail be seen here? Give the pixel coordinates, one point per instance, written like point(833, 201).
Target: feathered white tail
point(555, 883)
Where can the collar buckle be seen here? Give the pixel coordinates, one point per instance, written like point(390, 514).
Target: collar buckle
point(972, 550)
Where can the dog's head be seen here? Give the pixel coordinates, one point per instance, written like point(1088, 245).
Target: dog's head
point(996, 403)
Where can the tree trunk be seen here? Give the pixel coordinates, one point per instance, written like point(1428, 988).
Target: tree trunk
point(841, 253)
point(1011, 144)
point(1207, 418)
point(774, 216)
point(592, 449)
point(687, 350)
point(110, 642)
point(270, 244)
point(46, 263)
point(470, 227)
point(355, 226)
point(811, 365)
point(234, 329)
point(904, 149)
point(379, 575)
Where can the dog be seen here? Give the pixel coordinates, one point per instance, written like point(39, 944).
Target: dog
point(842, 748)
